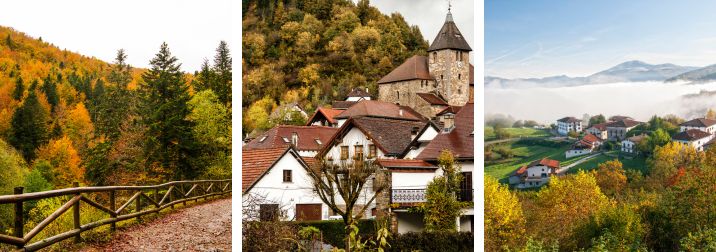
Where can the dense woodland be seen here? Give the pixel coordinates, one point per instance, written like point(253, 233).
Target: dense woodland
point(65, 117)
point(671, 206)
point(314, 51)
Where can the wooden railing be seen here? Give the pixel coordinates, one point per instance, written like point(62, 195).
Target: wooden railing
point(163, 196)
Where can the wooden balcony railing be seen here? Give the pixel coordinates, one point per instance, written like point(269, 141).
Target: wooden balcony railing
point(162, 196)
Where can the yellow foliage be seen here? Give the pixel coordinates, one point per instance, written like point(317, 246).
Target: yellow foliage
point(78, 126)
point(504, 220)
point(65, 161)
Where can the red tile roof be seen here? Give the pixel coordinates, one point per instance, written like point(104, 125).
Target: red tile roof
point(691, 135)
point(392, 136)
point(591, 138)
point(449, 109)
point(307, 136)
point(626, 123)
point(414, 68)
point(381, 109)
point(460, 140)
point(600, 127)
point(404, 163)
point(327, 113)
point(551, 163)
point(699, 122)
point(342, 105)
point(432, 99)
point(255, 163)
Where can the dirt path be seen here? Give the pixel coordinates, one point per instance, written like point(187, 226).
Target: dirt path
point(205, 227)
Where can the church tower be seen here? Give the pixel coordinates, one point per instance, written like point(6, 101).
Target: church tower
point(449, 63)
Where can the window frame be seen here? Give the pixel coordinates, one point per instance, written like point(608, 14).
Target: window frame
point(287, 176)
point(344, 152)
point(372, 151)
point(356, 154)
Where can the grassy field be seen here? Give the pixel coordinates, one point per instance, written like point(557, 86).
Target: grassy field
point(638, 163)
point(523, 155)
point(516, 132)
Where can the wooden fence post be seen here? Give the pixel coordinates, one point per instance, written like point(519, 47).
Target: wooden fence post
point(156, 198)
point(171, 197)
point(113, 207)
point(18, 216)
point(76, 215)
point(139, 205)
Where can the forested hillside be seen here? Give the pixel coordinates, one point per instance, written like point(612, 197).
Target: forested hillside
point(65, 117)
point(315, 51)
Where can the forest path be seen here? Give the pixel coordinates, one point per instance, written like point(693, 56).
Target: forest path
point(204, 227)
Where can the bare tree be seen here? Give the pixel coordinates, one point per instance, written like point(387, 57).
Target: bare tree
point(347, 181)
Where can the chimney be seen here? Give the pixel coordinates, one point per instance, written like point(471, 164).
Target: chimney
point(400, 111)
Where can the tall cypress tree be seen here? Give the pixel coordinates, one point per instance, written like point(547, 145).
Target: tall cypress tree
point(19, 90)
point(29, 127)
point(222, 73)
point(169, 141)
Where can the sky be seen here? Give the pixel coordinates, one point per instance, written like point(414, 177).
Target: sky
point(192, 29)
point(429, 16)
point(578, 38)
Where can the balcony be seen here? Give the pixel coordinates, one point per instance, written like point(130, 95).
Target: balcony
point(412, 196)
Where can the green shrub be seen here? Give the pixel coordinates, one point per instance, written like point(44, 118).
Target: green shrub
point(542, 142)
point(334, 230)
point(432, 241)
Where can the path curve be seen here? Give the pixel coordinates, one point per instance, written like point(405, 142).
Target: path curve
point(204, 227)
point(585, 159)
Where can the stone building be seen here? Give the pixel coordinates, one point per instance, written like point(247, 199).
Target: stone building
point(430, 83)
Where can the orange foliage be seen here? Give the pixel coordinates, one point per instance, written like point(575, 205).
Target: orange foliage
point(78, 126)
point(65, 161)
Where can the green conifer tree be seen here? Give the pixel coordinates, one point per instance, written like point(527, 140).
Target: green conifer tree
point(29, 127)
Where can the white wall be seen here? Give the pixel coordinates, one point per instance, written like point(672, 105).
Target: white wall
point(577, 152)
point(352, 138)
point(287, 194)
point(411, 180)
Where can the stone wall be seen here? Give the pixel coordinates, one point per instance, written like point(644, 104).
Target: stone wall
point(453, 76)
point(404, 92)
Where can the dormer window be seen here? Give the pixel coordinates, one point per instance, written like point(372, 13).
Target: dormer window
point(285, 140)
point(318, 141)
point(449, 122)
point(262, 139)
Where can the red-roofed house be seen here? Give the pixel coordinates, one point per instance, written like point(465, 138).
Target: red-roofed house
point(599, 130)
point(307, 140)
point(535, 174)
point(275, 181)
point(324, 117)
point(584, 146)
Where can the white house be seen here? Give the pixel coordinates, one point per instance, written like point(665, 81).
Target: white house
point(599, 130)
point(702, 124)
point(584, 146)
point(617, 130)
point(694, 138)
point(358, 94)
point(630, 145)
point(568, 124)
point(535, 174)
point(276, 185)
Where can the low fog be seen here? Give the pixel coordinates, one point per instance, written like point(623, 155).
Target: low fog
point(640, 100)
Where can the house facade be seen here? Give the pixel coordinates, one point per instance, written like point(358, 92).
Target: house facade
point(702, 124)
point(584, 146)
point(694, 138)
point(617, 130)
point(631, 145)
point(568, 124)
point(276, 186)
point(535, 174)
point(599, 130)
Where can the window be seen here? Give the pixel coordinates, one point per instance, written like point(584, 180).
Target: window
point(262, 139)
point(344, 152)
point(435, 56)
point(457, 55)
point(458, 76)
point(268, 212)
point(358, 152)
point(285, 140)
point(371, 151)
point(441, 77)
point(287, 177)
point(398, 92)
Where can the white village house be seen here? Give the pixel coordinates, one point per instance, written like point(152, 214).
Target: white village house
point(568, 124)
point(694, 138)
point(535, 174)
point(599, 130)
point(584, 146)
point(631, 144)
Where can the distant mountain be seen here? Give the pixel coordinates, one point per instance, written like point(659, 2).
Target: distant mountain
point(630, 71)
point(704, 74)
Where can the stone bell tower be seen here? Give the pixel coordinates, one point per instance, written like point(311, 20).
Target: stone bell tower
point(449, 63)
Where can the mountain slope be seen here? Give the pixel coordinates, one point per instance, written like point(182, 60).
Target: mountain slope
point(703, 74)
point(630, 71)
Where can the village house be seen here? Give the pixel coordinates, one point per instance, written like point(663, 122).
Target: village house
point(584, 146)
point(630, 145)
point(276, 186)
point(535, 174)
point(288, 112)
point(568, 124)
point(378, 109)
point(702, 124)
point(306, 140)
point(358, 94)
point(599, 130)
point(324, 117)
point(694, 138)
point(617, 130)
point(445, 74)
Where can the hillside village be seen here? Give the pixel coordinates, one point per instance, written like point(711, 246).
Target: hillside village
point(423, 106)
point(621, 133)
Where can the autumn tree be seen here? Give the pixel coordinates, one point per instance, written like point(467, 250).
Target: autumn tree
point(615, 228)
point(597, 119)
point(504, 220)
point(49, 87)
point(29, 126)
point(212, 131)
point(711, 114)
point(442, 207)
point(565, 204)
point(341, 186)
point(611, 177)
point(170, 145)
point(668, 159)
point(65, 160)
point(12, 174)
point(78, 126)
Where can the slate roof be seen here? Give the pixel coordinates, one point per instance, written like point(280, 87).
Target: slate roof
point(255, 163)
point(449, 37)
point(460, 140)
point(699, 122)
point(432, 99)
point(626, 123)
point(307, 136)
point(327, 113)
point(414, 68)
point(691, 135)
point(569, 119)
point(374, 108)
point(342, 105)
point(358, 92)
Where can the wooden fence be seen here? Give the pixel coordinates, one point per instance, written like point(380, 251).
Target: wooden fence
point(162, 196)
